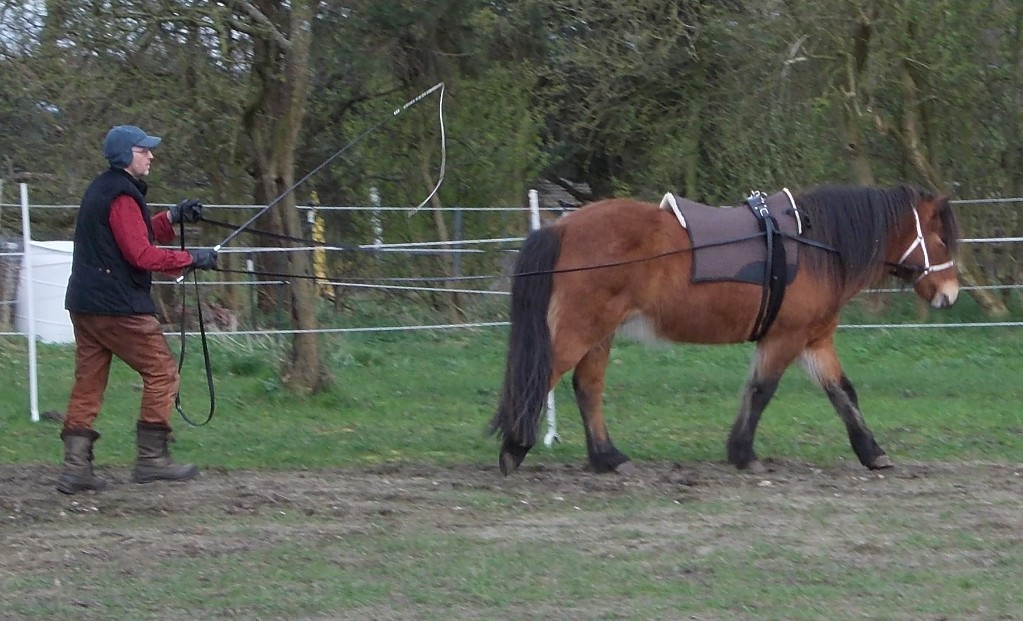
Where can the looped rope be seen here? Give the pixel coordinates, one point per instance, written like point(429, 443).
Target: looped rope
point(205, 344)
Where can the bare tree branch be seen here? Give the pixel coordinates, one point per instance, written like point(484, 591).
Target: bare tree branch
point(264, 22)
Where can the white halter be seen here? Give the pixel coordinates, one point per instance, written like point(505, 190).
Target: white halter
point(927, 267)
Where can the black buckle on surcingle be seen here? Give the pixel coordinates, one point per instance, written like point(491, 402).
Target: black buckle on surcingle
point(757, 203)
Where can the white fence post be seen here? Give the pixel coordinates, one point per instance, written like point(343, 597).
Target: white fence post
point(26, 258)
point(375, 219)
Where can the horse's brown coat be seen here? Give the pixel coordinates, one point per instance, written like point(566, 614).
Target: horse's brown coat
point(619, 259)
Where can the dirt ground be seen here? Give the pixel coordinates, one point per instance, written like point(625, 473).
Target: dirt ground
point(925, 490)
point(978, 497)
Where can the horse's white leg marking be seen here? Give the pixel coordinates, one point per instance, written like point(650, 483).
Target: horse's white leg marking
point(812, 366)
point(639, 327)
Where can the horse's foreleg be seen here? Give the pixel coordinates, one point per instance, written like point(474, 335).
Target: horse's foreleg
point(821, 362)
point(768, 366)
point(588, 384)
point(755, 396)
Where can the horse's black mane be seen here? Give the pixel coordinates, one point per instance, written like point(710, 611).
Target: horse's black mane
point(856, 223)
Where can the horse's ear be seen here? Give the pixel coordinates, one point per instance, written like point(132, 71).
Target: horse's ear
point(939, 201)
point(949, 222)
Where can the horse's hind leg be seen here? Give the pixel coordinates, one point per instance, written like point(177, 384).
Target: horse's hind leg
point(588, 384)
point(769, 363)
point(821, 362)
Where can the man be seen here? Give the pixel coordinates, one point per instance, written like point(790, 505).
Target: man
point(113, 313)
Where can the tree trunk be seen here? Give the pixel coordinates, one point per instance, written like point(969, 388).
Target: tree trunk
point(273, 120)
point(856, 65)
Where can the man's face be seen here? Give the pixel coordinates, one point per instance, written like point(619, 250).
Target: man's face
point(141, 160)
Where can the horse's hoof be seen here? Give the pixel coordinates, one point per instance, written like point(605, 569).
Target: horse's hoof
point(755, 467)
point(625, 469)
point(881, 462)
point(508, 463)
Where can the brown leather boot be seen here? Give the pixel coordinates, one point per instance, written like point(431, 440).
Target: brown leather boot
point(154, 462)
point(77, 475)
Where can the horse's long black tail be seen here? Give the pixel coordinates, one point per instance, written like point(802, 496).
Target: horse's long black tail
point(528, 371)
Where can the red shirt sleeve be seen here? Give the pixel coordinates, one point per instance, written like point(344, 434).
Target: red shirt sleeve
point(163, 230)
point(133, 239)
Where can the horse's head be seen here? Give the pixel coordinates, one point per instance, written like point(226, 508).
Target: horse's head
point(923, 252)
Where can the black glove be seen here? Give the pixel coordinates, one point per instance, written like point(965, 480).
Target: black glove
point(188, 210)
point(204, 258)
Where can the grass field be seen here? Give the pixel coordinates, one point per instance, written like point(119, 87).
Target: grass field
point(931, 394)
point(380, 499)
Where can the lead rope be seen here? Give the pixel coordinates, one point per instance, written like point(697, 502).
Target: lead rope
point(205, 345)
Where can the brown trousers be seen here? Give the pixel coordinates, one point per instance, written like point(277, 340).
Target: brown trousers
point(138, 340)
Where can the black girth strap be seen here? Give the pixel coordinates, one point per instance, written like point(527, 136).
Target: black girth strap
point(773, 291)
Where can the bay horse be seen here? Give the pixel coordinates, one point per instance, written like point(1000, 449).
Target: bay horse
point(577, 280)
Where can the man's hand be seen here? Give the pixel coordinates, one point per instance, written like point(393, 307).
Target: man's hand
point(188, 210)
point(204, 258)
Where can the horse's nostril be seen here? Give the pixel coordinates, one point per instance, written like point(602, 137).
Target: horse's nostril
point(941, 300)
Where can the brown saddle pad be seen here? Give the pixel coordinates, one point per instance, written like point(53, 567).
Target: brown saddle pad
point(717, 256)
